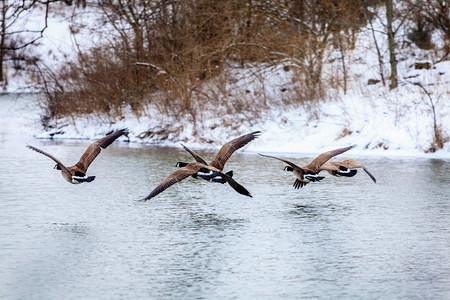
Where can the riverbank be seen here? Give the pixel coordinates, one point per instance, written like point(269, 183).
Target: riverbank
point(379, 132)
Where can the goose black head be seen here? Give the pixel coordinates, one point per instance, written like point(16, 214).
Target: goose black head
point(181, 164)
point(57, 167)
point(288, 168)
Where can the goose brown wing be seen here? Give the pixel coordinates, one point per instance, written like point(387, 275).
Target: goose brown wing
point(353, 163)
point(60, 164)
point(335, 165)
point(110, 138)
point(315, 165)
point(348, 163)
point(94, 150)
point(235, 185)
point(229, 148)
point(330, 166)
point(370, 175)
point(286, 161)
point(173, 178)
point(195, 155)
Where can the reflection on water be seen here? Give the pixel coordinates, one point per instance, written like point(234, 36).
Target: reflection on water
point(75, 229)
point(314, 211)
point(343, 238)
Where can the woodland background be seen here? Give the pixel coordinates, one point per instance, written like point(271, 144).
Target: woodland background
point(184, 58)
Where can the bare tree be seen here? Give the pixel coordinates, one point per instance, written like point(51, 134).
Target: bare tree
point(13, 39)
point(395, 20)
point(438, 138)
point(429, 16)
point(369, 17)
point(308, 31)
point(391, 44)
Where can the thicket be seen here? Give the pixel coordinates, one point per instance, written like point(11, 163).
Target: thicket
point(14, 43)
point(176, 56)
point(167, 53)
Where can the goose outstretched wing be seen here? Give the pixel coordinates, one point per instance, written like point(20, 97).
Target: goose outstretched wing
point(60, 164)
point(294, 166)
point(316, 163)
point(94, 150)
point(229, 148)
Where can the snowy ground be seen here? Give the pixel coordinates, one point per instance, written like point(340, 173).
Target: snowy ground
point(379, 121)
point(287, 132)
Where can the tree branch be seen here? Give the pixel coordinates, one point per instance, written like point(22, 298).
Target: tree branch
point(41, 32)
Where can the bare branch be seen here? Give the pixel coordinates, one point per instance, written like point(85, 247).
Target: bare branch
point(161, 70)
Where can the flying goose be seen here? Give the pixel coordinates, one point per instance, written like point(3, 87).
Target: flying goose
point(346, 168)
point(77, 173)
point(221, 158)
point(309, 173)
point(192, 169)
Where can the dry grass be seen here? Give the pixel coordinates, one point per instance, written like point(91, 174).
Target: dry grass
point(177, 59)
point(439, 140)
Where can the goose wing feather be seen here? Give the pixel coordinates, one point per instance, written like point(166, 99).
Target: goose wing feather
point(286, 161)
point(235, 185)
point(316, 163)
point(94, 150)
point(229, 148)
point(173, 178)
point(349, 164)
point(60, 164)
point(370, 175)
point(197, 157)
point(330, 166)
point(189, 170)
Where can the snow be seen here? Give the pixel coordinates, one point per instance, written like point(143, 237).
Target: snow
point(379, 121)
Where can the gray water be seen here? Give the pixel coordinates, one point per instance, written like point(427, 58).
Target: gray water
point(343, 238)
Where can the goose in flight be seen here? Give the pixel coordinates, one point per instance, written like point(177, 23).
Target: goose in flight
point(210, 172)
point(346, 168)
point(220, 159)
point(77, 173)
point(190, 170)
point(309, 173)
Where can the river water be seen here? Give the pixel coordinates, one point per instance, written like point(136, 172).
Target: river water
point(343, 238)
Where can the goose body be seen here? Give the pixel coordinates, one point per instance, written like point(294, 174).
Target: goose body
point(77, 173)
point(220, 159)
point(212, 172)
point(346, 168)
point(310, 172)
point(212, 176)
point(191, 170)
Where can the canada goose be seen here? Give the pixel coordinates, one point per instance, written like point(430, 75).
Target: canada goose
point(189, 170)
point(309, 173)
point(221, 158)
point(345, 168)
point(77, 173)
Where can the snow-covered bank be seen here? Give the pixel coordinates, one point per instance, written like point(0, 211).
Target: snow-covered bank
point(291, 132)
point(379, 121)
point(377, 132)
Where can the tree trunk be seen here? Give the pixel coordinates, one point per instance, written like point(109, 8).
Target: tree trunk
point(380, 58)
point(391, 45)
point(344, 69)
point(2, 38)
